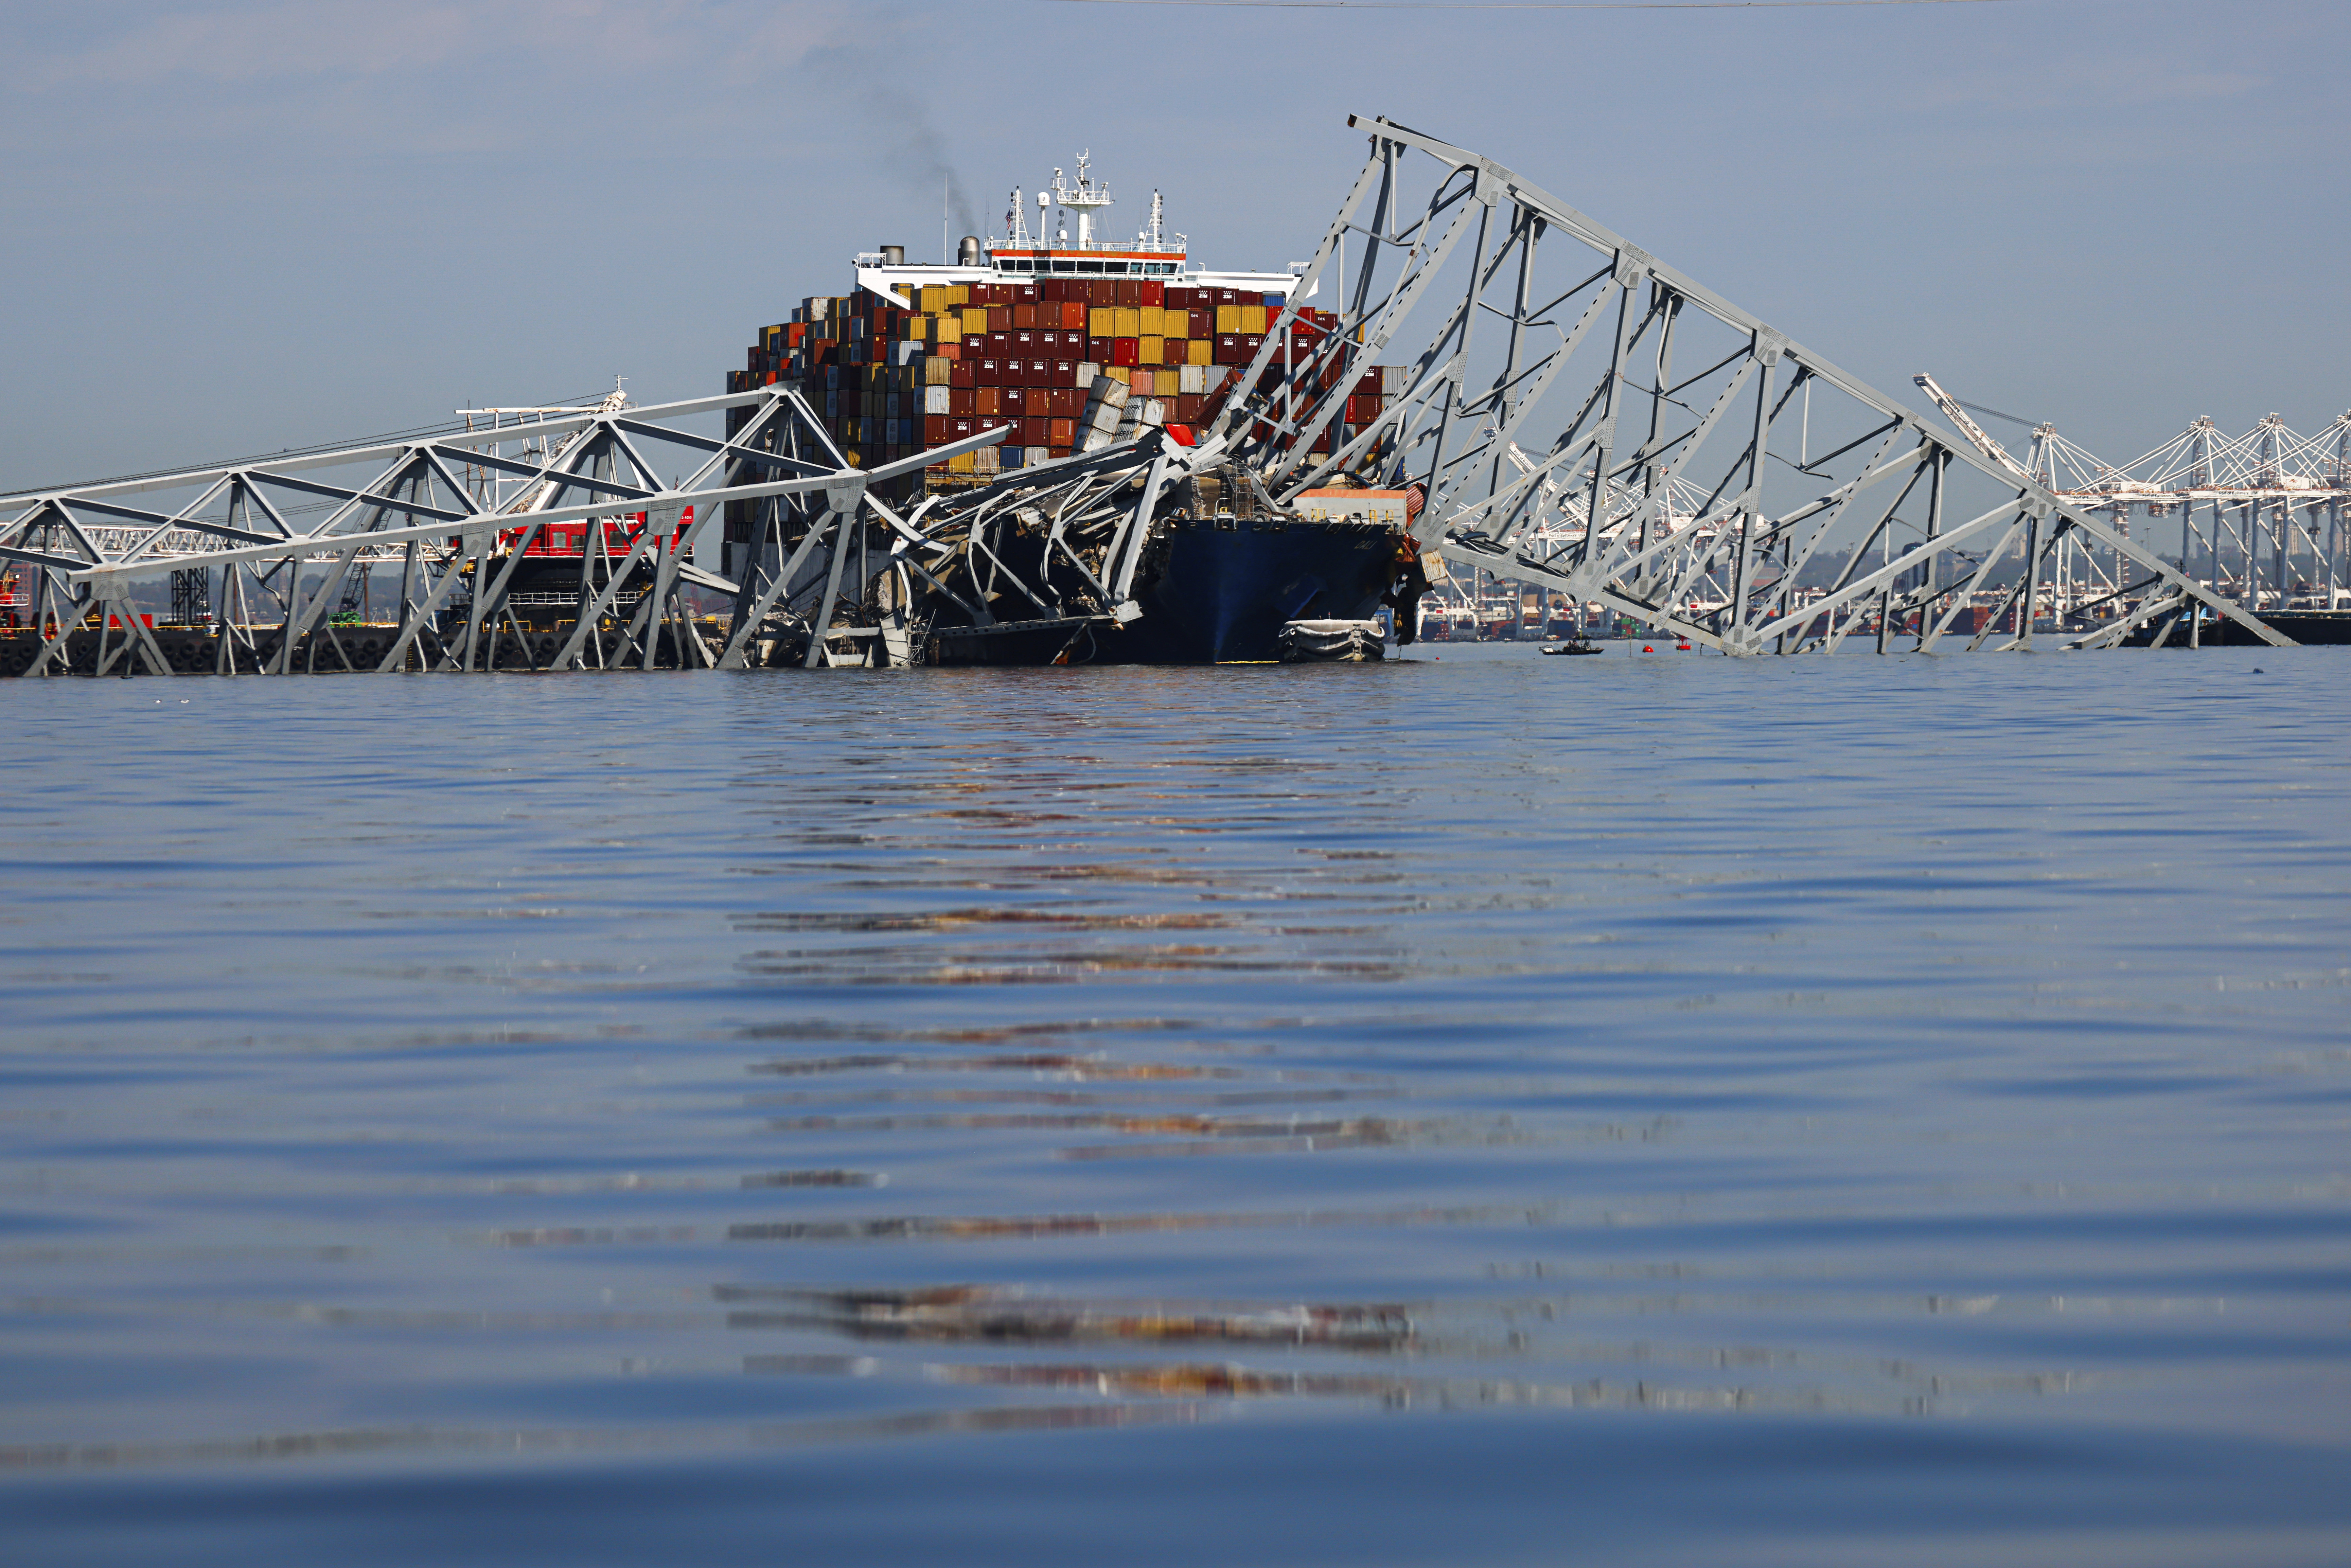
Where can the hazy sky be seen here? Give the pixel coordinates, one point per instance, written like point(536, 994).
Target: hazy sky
point(239, 227)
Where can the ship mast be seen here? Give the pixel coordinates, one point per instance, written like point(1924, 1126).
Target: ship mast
point(1085, 198)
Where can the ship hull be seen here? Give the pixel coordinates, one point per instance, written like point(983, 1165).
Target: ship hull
point(1212, 592)
point(1217, 590)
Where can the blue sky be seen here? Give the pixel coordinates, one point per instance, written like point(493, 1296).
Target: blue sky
point(240, 226)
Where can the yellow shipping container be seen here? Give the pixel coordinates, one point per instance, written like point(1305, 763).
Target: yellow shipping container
point(1229, 318)
point(1119, 373)
point(950, 329)
point(937, 371)
point(961, 463)
point(1151, 350)
point(1100, 320)
point(975, 318)
point(1126, 322)
point(1202, 352)
point(1152, 322)
point(1252, 318)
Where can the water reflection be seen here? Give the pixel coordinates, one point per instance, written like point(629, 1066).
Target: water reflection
point(1040, 1063)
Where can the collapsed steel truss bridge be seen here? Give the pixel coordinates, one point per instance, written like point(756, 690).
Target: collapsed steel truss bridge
point(1582, 418)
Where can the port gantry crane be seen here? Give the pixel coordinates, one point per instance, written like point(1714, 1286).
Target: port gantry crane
point(1583, 418)
point(2268, 490)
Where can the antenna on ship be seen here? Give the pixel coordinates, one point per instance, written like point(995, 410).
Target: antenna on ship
point(1085, 199)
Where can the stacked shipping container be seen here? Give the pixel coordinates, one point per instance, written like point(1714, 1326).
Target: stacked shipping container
point(1038, 359)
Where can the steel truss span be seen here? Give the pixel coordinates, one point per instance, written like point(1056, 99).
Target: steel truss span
point(1583, 419)
point(1586, 419)
point(272, 560)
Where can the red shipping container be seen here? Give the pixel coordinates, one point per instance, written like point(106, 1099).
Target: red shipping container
point(987, 423)
point(1023, 316)
point(999, 317)
point(1061, 434)
point(1023, 293)
point(1032, 431)
point(1055, 288)
point(1065, 386)
point(1073, 315)
point(1024, 342)
point(1363, 409)
point(1228, 350)
point(1188, 407)
point(1011, 401)
point(946, 350)
point(963, 400)
point(964, 374)
point(1125, 350)
point(1097, 350)
point(1040, 372)
point(1152, 292)
point(934, 429)
point(1200, 323)
point(991, 372)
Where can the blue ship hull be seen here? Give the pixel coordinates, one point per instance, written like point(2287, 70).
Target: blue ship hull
point(1212, 592)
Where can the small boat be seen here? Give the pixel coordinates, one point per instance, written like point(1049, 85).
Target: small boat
point(1576, 646)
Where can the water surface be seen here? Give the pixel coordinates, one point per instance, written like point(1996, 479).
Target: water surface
point(1463, 1110)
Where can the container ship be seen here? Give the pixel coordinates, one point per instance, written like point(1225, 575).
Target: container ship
point(1071, 343)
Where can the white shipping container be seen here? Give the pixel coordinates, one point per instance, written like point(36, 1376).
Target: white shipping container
point(935, 400)
point(1191, 378)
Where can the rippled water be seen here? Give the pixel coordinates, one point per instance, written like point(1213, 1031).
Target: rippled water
point(1463, 1110)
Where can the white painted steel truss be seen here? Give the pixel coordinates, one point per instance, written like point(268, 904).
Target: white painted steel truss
point(1585, 418)
point(278, 543)
point(1553, 422)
